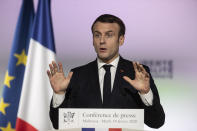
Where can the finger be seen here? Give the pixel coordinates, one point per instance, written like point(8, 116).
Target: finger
point(126, 78)
point(142, 69)
point(49, 74)
point(134, 66)
point(55, 67)
point(51, 69)
point(138, 67)
point(60, 67)
point(70, 75)
point(147, 75)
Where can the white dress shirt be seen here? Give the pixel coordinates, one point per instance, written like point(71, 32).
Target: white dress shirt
point(146, 98)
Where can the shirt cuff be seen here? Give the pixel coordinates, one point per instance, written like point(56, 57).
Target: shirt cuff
point(58, 99)
point(147, 98)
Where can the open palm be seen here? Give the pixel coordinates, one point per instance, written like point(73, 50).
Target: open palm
point(141, 81)
point(58, 81)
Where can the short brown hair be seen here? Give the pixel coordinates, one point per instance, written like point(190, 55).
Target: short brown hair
point(107, 18)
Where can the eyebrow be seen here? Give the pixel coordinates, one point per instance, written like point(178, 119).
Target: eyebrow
point(109, 31)
point(105, 32)
point(97, 32)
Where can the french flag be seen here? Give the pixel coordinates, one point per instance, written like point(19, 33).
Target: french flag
point(99, 129)
point(33, 113)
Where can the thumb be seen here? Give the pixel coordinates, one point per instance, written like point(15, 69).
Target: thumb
point(70, 75)
point(126, 78)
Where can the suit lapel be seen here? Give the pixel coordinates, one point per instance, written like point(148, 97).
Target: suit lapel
point(94, 78)
point(117, 78)
point(125, 68)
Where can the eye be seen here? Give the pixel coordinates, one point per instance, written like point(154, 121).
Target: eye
point(109, 35)
point(96, 35)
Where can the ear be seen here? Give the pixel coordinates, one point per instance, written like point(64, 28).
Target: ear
point(121, 40)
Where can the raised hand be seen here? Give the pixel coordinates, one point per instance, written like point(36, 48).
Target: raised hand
point(58, 81)
point(142, 78)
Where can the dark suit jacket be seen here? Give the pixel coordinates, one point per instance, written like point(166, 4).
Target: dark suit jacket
point(84, 92)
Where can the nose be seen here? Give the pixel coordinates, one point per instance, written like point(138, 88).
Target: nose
point(102, 40)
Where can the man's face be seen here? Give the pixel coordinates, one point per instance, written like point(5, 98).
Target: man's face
point(106, 40)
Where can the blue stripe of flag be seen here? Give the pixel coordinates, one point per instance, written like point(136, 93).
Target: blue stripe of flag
point(43, 31)
point(88, 129)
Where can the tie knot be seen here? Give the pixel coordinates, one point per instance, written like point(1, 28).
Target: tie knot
point(107, 68)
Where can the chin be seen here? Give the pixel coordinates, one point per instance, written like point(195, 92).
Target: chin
point(104, 59)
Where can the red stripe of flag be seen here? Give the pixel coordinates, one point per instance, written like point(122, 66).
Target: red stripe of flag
point(115, 129)
point(22, 125)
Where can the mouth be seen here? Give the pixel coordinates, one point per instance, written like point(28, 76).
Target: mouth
point(102, 49)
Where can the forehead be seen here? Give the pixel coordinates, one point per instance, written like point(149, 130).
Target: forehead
point(104, 27)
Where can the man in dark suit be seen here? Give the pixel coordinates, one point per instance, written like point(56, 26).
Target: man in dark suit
point(108, 82)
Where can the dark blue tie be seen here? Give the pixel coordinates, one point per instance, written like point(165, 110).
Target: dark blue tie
point(107, 87)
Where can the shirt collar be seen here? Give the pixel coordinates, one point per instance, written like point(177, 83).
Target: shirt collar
point(114, 63)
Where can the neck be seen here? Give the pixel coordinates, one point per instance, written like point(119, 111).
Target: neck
point(107, 61)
